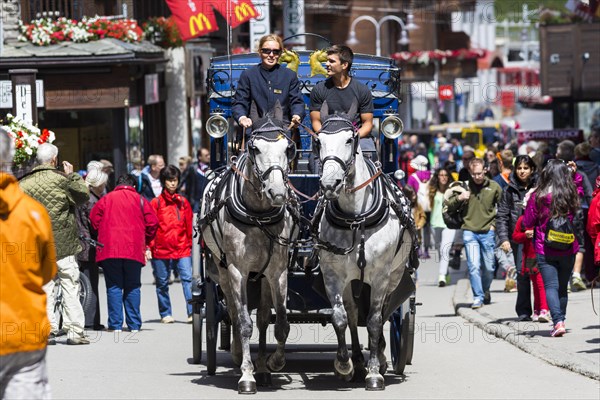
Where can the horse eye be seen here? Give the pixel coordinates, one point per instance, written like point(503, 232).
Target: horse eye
point(349, 141)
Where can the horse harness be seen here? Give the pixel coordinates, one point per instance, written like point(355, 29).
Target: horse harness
point(383, 186)
point(226, 192)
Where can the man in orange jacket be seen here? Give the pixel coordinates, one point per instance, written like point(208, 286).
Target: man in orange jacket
point(28, 262)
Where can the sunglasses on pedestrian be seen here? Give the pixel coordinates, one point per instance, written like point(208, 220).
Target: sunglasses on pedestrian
point(266, 52)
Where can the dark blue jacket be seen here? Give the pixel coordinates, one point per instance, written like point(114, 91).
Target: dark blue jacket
point(265, 88)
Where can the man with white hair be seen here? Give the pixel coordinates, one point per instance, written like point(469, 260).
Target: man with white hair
point(61, 192)
point(28, 262)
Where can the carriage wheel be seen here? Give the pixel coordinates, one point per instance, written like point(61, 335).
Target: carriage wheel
point(211, 327)
point(411, 332)
point(398, 335)
point(197, 334)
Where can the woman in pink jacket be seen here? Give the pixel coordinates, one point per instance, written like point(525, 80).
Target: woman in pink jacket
point(551, 210)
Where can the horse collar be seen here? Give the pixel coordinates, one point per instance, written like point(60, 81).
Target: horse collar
point(239, 211)
point(378, 211)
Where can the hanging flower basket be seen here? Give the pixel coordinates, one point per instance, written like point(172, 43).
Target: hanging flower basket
point(47, 31)
point(27, 139)
point(426, 57)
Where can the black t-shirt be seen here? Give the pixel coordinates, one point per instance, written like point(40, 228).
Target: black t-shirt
point(340, 100)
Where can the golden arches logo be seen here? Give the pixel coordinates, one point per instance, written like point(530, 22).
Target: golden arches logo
point(199, 23)
point(244, 10)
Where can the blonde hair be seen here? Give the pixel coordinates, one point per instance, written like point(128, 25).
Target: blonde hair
point(270, 37)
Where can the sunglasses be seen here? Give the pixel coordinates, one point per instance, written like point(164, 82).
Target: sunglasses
point(269, 51)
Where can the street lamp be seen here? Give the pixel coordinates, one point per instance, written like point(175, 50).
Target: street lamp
point(352, 40)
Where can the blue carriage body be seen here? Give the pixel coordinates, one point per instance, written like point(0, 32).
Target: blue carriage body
point(380, 74)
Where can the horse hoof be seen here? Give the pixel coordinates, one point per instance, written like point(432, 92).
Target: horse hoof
point(273, 366)
point(246, 387)
point(345, 378)
point(374, 383)
point(263, 379)
point(344, 368)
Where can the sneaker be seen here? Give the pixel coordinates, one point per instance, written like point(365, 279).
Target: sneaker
point(167, 320)
point(79, 339)
point(51, 338)
point(577, 284)
point(134, 330)
point(536, 317)
point(524, 318)
point(558, 330)
point(544, 316)
point(476, 304)
point(487, 297)
point(442, 281)
point(190, 319)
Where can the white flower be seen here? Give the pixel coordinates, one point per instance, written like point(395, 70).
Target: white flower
point(28, 151)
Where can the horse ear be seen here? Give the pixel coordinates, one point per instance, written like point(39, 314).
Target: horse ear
point(353, 109)
point(254, 112)
point(324, 111)
point(278, 111)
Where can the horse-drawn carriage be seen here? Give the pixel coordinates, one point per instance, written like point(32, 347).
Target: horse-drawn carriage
point(275, 240)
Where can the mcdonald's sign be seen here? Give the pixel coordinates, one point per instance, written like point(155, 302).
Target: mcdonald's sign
point(197, 17)
point(199, 24)
point(244, 12)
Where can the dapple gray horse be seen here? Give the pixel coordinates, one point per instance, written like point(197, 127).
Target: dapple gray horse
point(366, 234)
point(248, 226)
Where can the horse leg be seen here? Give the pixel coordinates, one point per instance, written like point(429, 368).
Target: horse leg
point(276, 361)
point(263, 318)
point(339, 319)
point(236, 344)
point(374, 379)
point(243, 326)
point(357, 356)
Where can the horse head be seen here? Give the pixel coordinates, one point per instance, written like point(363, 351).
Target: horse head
point(337, 146)
point(270, 150)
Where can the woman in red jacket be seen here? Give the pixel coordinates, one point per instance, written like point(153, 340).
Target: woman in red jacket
point(126, 224)
point(172, 246)
point(593, 223)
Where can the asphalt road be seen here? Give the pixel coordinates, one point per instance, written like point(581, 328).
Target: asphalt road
point(452, 359)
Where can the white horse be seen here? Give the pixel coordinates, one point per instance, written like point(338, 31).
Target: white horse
point(366, 235)
point(248, 224)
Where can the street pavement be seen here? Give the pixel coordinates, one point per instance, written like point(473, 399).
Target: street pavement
point(578, 350)
point(453, 357)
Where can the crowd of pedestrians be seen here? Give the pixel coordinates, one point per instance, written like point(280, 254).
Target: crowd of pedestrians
point(532, 217)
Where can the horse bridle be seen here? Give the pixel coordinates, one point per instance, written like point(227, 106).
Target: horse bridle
point(269, 126)
point(346, 124)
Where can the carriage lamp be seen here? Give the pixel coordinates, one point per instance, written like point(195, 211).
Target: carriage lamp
point(392, 127)
point(217, 126)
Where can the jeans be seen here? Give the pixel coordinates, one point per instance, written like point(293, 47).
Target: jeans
point(123, 283)
point(556, 271)
point(480, 253)
point(72, 310)
point(444, 238)
point(162, 269)
point(23, 375)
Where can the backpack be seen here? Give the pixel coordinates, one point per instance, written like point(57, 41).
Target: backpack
point(560, 233)
point(423, 194)
point(454, 220)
